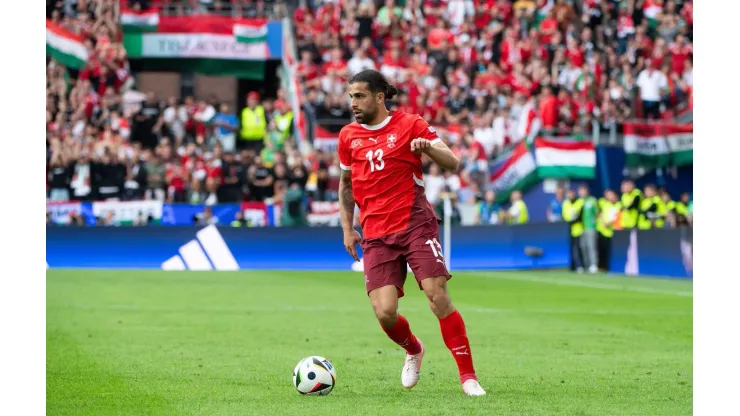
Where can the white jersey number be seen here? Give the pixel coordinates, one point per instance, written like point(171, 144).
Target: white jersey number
point(435, 246)
point(375, 159)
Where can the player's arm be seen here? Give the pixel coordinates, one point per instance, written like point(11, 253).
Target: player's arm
point(425, 140)
point(437, 151)
point(347, 200)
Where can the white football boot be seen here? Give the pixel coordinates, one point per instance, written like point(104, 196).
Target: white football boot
point(411, 369)
point(472, 388)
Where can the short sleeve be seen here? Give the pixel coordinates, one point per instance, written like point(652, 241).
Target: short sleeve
point(345, 154)
point(422, 130)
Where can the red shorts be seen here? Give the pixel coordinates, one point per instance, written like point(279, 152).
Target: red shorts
point(385, 258)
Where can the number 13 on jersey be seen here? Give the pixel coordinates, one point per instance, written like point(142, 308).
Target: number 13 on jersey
point(375, 159)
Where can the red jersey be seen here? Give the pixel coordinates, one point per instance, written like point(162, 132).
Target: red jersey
point(387, 180)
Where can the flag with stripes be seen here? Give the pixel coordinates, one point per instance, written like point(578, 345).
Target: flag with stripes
point(143, 21)
point(654, 145)
point(220, 39)
point(64, 46)
point(564, 159)
point(513, 171)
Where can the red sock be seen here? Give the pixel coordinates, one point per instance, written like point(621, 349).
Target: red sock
point(401, 335)
point(456, 340)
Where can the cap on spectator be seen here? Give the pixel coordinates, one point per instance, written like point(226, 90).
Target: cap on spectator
point(281, 104)
point(253, 94)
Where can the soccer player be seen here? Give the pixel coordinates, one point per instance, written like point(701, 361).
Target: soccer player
point(380, 159)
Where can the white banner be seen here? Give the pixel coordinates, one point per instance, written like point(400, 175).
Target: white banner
point(202, 45)
point(60, 211)
point(324, 213)
point(128, 210)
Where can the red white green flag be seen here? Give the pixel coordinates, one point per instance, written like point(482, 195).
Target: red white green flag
point(64, 46)
point(219, 38)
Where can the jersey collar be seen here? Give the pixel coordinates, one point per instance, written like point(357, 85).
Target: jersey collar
point(379, 125)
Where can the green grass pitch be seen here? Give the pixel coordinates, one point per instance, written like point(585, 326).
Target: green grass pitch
point(221, 343)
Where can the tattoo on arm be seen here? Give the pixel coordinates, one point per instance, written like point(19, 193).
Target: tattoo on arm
point(346, 196)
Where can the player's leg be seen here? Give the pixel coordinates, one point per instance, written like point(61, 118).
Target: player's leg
point(454, 333)
point(385, 304)
point(426, 261)
point(385, 274)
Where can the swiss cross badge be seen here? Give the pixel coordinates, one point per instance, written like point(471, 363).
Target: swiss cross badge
point(391, 140)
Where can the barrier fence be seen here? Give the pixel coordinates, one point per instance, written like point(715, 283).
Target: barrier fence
point(530, 246)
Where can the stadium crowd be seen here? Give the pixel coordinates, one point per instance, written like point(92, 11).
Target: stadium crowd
point(105, 141)
point(489, 73)
point(494, 72)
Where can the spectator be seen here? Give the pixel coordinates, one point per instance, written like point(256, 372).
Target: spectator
point(261, 181)
point(174, 118)
point(253, 124)
point(651, 82)
point(233, 172)
point(517, 212)
point(147, 123)
point(488, 210)
point(226, 125)
point(555, 208)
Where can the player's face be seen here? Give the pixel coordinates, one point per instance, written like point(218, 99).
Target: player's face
point(363, 102)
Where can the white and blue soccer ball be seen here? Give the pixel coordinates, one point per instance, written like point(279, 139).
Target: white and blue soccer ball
point(314, 376)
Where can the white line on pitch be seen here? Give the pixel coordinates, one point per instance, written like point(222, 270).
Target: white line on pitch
point(527, 277)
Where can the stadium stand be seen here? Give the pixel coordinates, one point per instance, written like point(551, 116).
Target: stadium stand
point(488, 74)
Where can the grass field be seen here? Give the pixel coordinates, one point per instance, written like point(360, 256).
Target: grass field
point(210, 343)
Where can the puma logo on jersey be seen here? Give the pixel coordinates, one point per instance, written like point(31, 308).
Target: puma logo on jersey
point(374, 140)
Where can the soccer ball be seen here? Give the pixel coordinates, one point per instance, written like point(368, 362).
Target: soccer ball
point(314, 376)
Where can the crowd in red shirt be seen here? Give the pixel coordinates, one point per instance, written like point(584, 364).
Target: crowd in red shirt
point(486, 73)
point(497, 70)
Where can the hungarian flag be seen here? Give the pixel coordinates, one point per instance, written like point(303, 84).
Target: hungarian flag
point(207, 41)
point(564, 159)
point(658, 145)
point(144, 21)
point(64, 46)
point(516, 170)
point(250, 31)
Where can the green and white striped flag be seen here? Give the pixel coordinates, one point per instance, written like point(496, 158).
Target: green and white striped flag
point(146, 21)
point(658, 145)
point(248, 32)
point(204, 40)
point(64, 46)
point(565, 159)
point(513, 171)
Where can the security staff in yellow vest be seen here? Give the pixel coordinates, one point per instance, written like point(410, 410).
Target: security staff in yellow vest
point(666, 210)
point(572, 215)
point(517, 213)
point(682, 210)
point(630, 204)
point(240, 221)
point(608, 214)
point(284, 123)
point(648, 209)
point(253, 125)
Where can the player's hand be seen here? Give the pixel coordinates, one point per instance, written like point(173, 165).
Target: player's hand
point(351, 240)
point(420, 145)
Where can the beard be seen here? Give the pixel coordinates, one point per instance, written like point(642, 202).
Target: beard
point(365, 116)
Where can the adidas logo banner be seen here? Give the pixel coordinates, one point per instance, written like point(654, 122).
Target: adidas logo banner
point(208, 251)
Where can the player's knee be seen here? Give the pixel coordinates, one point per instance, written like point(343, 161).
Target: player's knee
point(439, 300)
point(387, 315)
point(385, 310)
point(441, 304)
